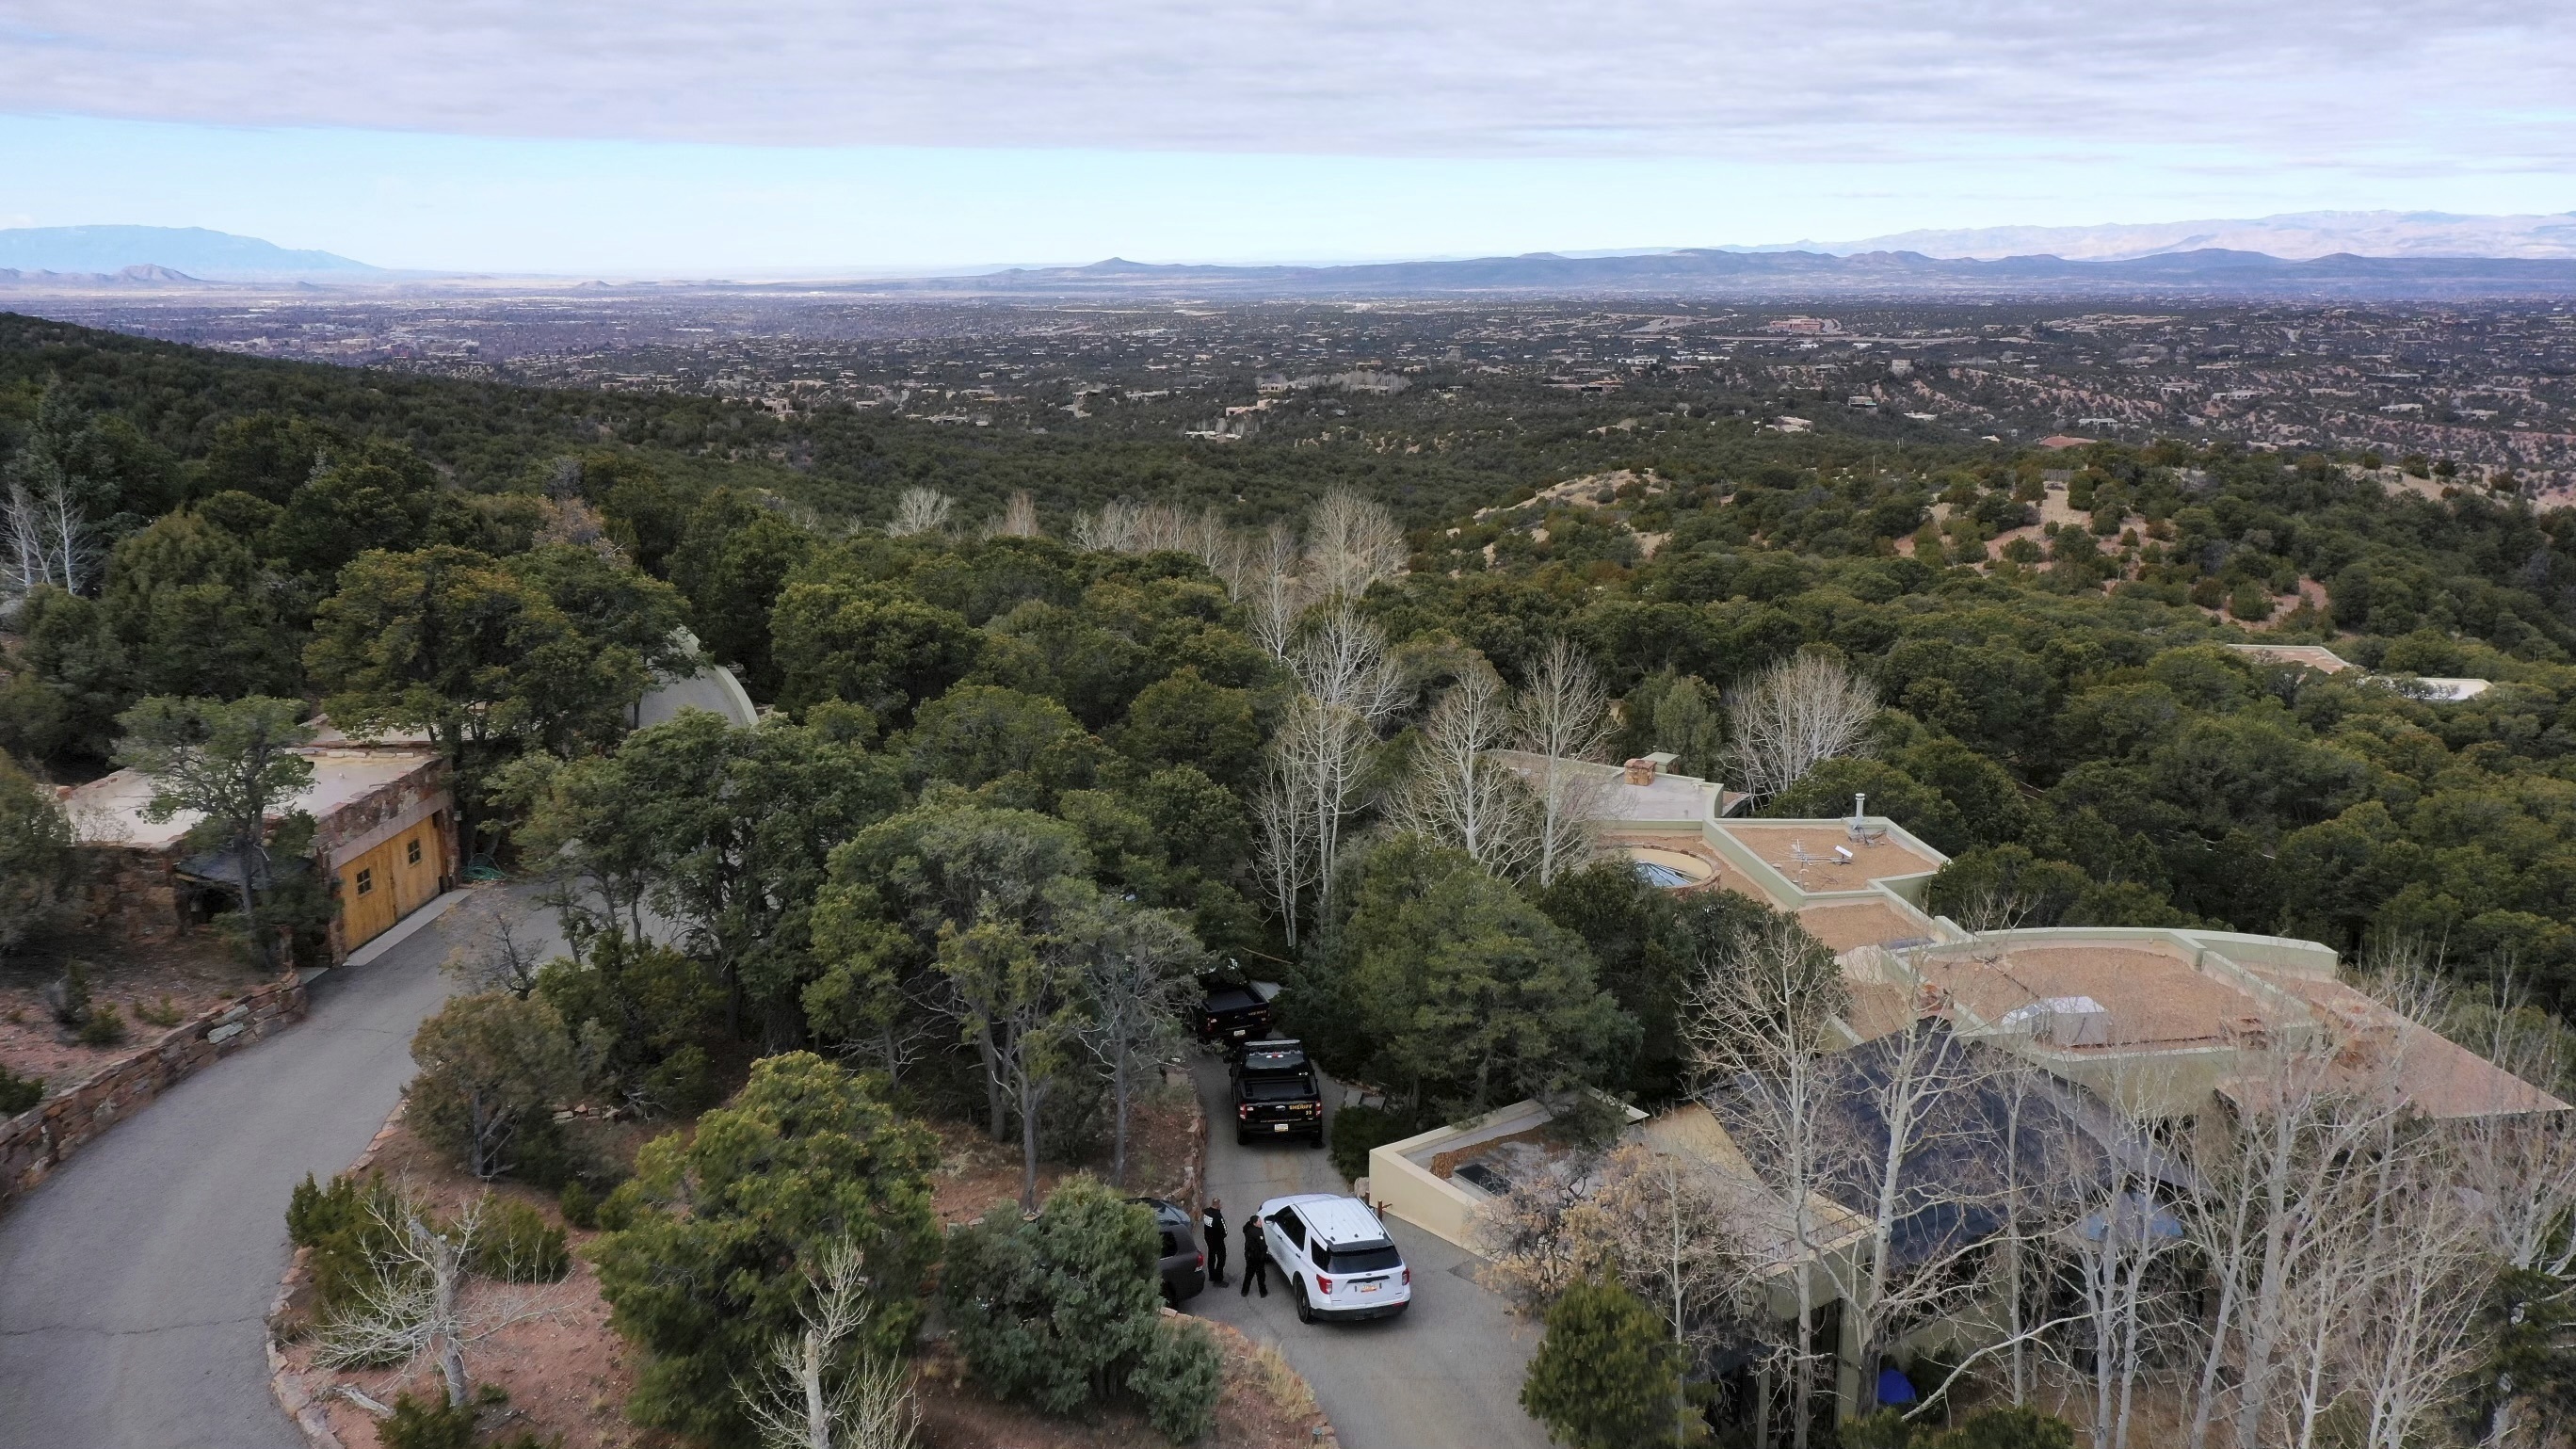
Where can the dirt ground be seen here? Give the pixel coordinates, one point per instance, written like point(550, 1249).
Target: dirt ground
point(154, 986)
point(976, 1172)
point(566, 1371)
point(1263, 1405)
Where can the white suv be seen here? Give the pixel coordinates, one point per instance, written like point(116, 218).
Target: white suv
point(1336, 1256)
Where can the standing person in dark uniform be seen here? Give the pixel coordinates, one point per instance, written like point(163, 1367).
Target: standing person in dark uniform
point(1212, 1227)
point(1256, 1259)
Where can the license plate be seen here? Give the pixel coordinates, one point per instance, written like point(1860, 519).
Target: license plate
point(1371, 1287)
point(1279, 1127)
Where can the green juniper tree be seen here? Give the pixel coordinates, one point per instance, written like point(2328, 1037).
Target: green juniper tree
point(235, 766)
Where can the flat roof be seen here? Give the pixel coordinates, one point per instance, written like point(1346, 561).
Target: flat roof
point(1777, 842)
point(1845, 925)
point(2437, 1076)
point(109, 810)
point(2152, 996)
point(2314, 656)
point(1665, 797)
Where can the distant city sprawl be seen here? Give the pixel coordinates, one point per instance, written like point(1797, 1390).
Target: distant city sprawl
point(2489, 385)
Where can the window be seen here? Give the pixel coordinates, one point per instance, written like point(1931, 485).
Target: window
point(1362, 1258)
point(1293, 1228)
point(367, 881)
point(411, 852)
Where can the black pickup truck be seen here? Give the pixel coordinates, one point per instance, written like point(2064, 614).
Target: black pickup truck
point(1234, 1012)
point(1275, 1093)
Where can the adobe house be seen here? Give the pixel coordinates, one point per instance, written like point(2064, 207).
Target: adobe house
point(385, 836)
point(2163, 1030)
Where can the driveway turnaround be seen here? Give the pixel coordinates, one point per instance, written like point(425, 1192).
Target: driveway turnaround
point(134, 1282)
point(1445, 1374)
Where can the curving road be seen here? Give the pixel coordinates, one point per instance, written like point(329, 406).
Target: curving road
point(1446, 1374)
point(134, 1282)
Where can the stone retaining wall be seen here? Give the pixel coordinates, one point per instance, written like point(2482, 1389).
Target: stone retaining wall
point(35, 1141)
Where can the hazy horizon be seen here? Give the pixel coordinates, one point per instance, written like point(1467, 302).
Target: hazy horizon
point(658, 140)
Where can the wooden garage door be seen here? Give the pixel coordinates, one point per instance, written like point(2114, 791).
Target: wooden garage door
point(391, 881)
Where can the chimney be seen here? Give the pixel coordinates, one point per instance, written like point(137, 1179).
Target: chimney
point(1640, 772)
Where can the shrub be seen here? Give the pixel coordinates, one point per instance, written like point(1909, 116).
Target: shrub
point(683, 1085)
point(638, 1011)
point(2010, 1427)
point(18, 1093)
point(165, 1015)
point(314, 1211)
point(1884, 1429)
point(105, 1026)
point(617, 1210)
point(706, 1265)
point(1049, 1311)
point(2250, 600)
point(1605, 1376)
point(518, 1245)
point(344, 1224)
point(490, 1066)
point(68, 998)
point(1179, 1379)
point(547, 1154)
point(1356, 1130)
point(431, 1424)
point(579, 1205)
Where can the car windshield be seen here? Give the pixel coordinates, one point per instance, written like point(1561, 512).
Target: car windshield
point(1278, 1089)
point(1273, 1062)
point(1363, 1258)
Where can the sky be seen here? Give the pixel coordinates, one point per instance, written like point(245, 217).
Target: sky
point(648, 137)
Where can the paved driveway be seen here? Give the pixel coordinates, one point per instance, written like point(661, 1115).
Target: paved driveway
point(133, 1283)
point(1446, 1374)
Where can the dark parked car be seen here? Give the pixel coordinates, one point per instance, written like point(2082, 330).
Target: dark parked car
point(1275, 1093)
point(1184, 1266)
point(1234, 1012)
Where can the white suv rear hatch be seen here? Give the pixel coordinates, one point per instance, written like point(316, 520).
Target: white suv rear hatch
point(1340, 1251)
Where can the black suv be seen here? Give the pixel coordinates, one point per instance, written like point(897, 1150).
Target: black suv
point(1184, 1267)
point(1275, 1093)
point(1234, 1012)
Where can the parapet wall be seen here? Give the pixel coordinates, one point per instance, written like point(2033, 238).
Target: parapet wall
point(39, 1139)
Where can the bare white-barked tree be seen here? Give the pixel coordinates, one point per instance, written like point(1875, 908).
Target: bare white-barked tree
point(1794, 716)
point(918, 511)
point(810, 1394)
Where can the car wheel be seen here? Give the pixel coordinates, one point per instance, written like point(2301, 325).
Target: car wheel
point(1242, 1138)
point(1305, 1310)
point(1171, 1295)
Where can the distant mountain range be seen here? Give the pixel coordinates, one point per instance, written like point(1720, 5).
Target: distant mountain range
point(2364, 255)
point(196, 253)
point(1708, 271)
point(2296, 236)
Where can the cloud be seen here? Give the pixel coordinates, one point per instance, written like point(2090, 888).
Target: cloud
point(2399, 85)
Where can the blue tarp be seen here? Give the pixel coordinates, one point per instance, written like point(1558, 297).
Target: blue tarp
point(1894, 1387)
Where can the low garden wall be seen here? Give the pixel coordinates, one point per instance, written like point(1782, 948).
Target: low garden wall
point(37, 1140)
